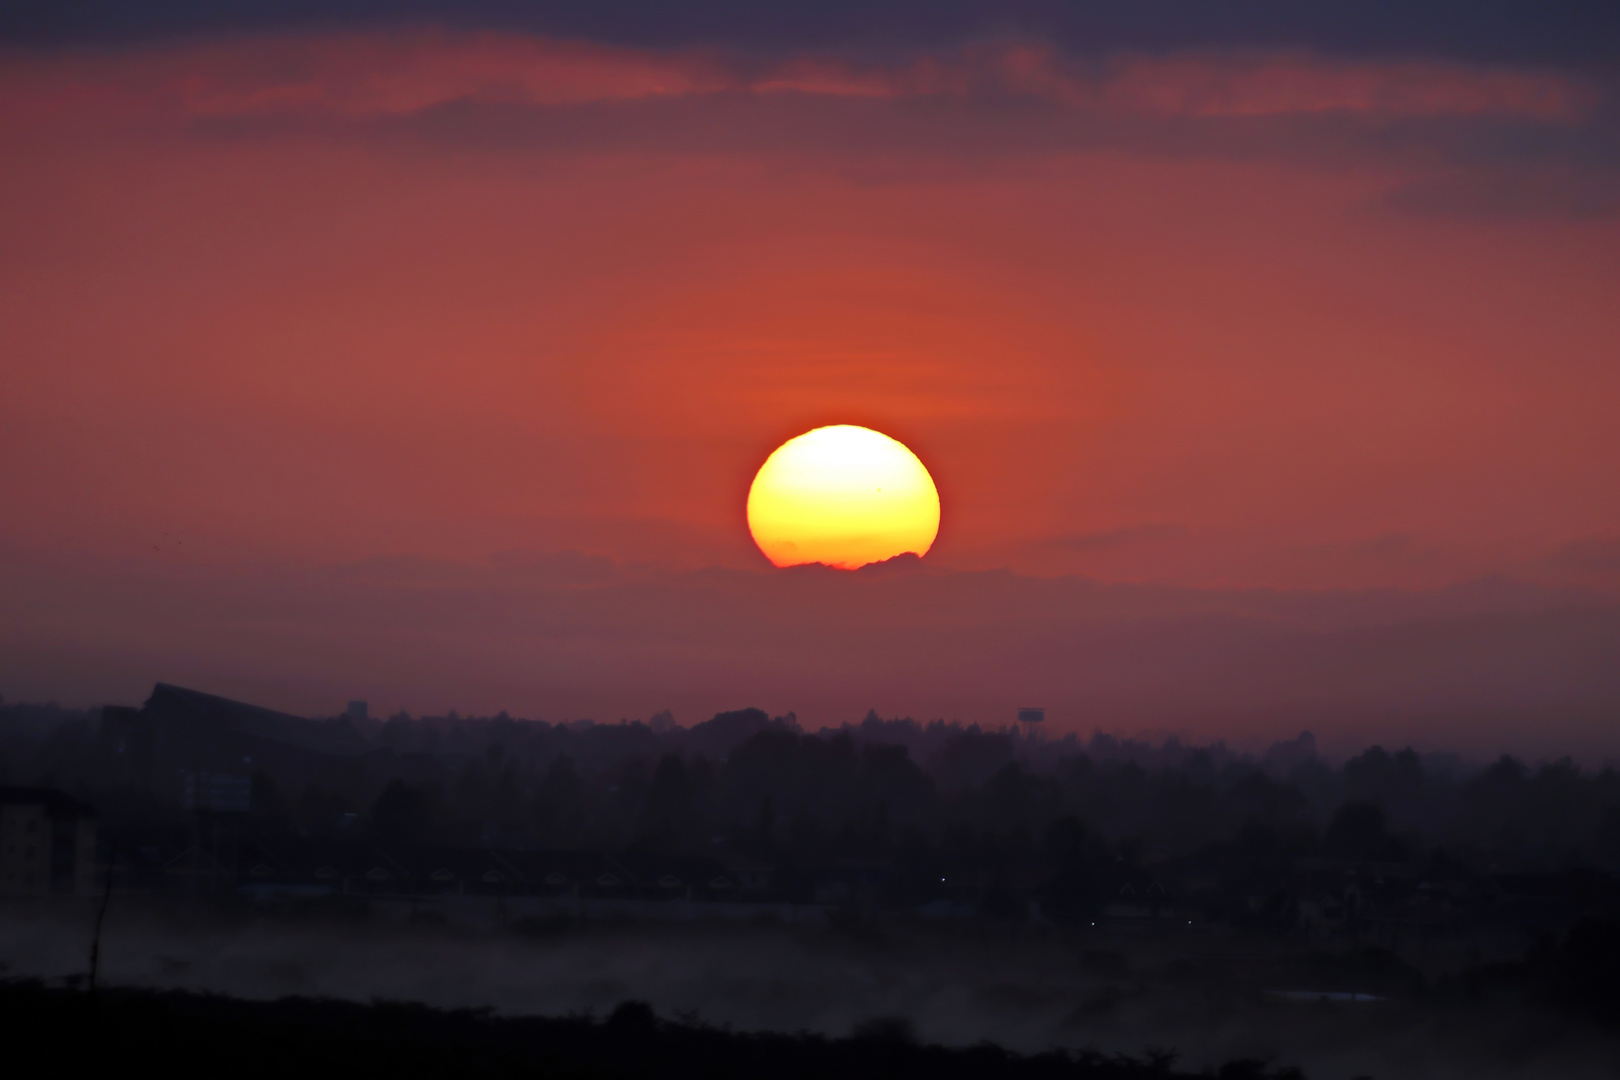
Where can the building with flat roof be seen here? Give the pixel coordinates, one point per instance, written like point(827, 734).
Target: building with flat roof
point(47, 843)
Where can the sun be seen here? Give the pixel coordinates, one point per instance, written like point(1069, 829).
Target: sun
point(845, 496)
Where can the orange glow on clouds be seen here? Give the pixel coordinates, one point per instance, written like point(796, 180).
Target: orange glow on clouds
point(845, 496)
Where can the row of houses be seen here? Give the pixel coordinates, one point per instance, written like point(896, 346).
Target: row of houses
point(49, 847)
point(1382, 904)
point(48, 843)
point(364, 868)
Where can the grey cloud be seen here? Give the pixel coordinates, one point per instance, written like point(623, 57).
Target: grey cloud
point(1463, 165)
point(1584, 33)
point(1130, 536)
point(1593, 555)
point(1512, 194)
point(1385, 548)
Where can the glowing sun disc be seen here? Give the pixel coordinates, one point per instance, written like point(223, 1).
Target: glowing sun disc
point(845, 496)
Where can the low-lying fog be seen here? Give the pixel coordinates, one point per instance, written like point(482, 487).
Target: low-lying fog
point(1028, 992)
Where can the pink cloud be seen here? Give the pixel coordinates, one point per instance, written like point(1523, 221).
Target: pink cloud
point(1294, 84)
point(363, 75)
point(350, 75)
point(1204, 85)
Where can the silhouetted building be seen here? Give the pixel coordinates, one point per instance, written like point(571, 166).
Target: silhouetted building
point(357, 710)
point(1031, 716)
point(47, 843)
point(182, 738)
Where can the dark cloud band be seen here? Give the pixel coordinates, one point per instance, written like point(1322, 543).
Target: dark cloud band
point(1577, 33)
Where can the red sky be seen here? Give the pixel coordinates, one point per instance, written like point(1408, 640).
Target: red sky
point(280, 306)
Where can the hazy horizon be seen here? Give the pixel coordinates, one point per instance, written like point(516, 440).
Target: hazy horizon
point(1481, 668)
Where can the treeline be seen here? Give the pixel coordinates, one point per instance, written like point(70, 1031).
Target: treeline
point(745, 784)
point(761, 787)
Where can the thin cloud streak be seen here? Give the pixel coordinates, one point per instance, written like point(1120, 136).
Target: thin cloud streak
point(379, 74)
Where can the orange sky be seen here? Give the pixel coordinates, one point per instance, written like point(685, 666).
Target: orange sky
point(1198, 320)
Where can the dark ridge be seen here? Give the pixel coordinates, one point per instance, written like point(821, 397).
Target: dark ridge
point(906, 560)
point(178, 1035)
point(901, 563)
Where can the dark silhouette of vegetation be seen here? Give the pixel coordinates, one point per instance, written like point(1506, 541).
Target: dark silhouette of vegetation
point(192, 1035)
point(891, 813)
point(1358, 831)
point(405, 813)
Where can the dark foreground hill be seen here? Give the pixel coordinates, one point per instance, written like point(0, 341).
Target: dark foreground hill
point(180, 1035)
